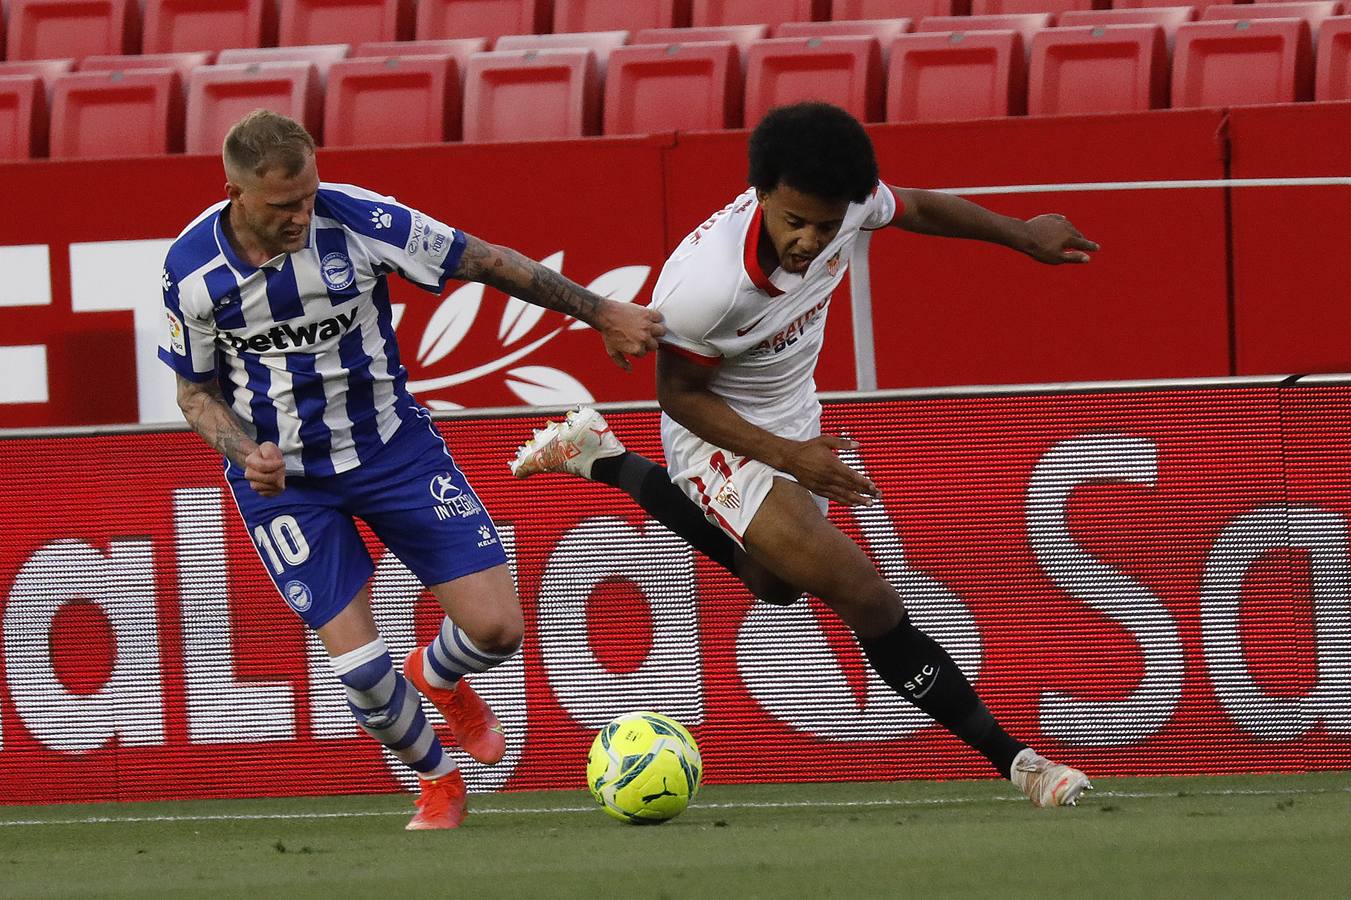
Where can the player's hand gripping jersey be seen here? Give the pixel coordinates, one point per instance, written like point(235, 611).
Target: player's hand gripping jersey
point(763, 330)
point(303, 347)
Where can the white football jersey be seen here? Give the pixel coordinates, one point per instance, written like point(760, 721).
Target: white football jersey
point(762, 330)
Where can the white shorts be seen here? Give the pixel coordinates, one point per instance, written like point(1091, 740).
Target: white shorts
point(727, 487)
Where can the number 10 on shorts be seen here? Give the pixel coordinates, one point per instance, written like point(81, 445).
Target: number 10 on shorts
point(282, 542)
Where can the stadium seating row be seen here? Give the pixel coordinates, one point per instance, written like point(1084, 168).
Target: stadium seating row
point(61, 29)
point(558, 86)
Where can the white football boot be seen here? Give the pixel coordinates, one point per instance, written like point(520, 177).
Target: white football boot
point(570, 445)
point(1047, 783)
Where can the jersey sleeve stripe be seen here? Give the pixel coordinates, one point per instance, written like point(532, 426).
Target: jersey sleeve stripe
point(373, 216)
point(183, 366)
point(693, 357)
point(453, 257)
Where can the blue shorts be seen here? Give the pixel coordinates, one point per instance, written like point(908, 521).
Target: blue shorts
point(412, 496)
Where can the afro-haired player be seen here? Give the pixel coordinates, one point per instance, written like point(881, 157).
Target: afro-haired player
point(745, 298)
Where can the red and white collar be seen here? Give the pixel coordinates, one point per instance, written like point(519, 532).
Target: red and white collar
point(754, 270)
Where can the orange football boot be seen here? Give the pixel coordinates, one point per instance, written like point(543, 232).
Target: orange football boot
point(440, 805)
point(472, 723)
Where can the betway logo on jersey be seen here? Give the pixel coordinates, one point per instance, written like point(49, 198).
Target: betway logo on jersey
point(286, 337)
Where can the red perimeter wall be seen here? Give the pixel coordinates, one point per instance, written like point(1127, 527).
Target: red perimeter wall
point(1184, 286)
point(1291, 267)
point(1140, 583)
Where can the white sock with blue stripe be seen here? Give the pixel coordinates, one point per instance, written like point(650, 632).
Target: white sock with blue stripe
point(389, 710)
point(451, 655)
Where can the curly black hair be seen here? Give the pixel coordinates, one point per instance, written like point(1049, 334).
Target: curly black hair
point(815, 148)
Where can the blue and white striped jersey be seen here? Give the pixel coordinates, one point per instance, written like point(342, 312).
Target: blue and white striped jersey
point(304, 347)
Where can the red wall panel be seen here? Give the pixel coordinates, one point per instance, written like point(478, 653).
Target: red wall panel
point(1137, 582)
point(598, 203)
point(91, 347)
point(1154, 303)
point(1151, 304)
point(1291, 268)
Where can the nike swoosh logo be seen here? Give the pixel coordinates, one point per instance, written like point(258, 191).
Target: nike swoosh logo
point(742, 332)
point(932, 682)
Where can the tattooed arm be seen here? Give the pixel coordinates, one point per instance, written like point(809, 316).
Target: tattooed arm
point(626, 329)
point(204, 407)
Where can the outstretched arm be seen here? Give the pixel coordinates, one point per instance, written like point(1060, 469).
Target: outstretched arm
point(1047, 238)
point(684, 395)
point(627, 329)
point(204, 407)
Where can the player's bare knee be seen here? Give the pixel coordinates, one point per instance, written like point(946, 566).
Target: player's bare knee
point(765, 585)
point(500, 638)
point(869, 608)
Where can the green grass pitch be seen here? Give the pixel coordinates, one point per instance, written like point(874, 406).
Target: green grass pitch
point(1249, 836)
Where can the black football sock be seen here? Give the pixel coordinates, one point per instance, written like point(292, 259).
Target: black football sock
point(650, 485)
point(922, 672)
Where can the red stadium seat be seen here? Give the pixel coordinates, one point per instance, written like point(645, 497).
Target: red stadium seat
point(458, 49)
point(1014, 7)
point(439, 19)
point(885, 30)
point(642, 80)
point(175, 26)
point(852, 10)
point(396, 100)
point(1333, 78)
point(59, 29)
point(516, 95)
point(601, 43)
point(626, 15)
point(322, 56)
point(756, 12)
point(1026, 24)
point(740, 35)
point(221, 95)
point(846, 71)
point(105, 114)
point(1240, 63)
point(307, 22)
point(182, 63)
point(1313, 13)
point(1198, 5)
point(23, 117)
point(1098, 69)
point(47, 69)
point(1166, 17)
point(956, 75)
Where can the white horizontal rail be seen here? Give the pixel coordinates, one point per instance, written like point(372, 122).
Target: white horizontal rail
point(1179, 185)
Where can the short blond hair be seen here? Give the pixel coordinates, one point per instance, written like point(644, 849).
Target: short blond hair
point(264, 140)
